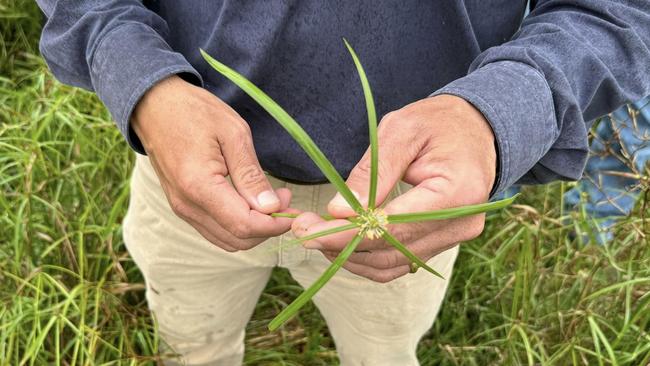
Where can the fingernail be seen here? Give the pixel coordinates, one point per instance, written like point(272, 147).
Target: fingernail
point(267, 198)
point(338, 200)
point(313, 244)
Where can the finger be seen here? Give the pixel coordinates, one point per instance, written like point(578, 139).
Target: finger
point(219, 199)
point(310, 223)
point(430, 194)
point(285, 202)
point(204, 225)
point(284, 194)
point(245, 170)
point(424, 249)
point(285, 199)
point(210, 200)
point(207, 234)
point(396, 151)
point(377, 275)
point(303, 222)
point(434, 194)
point(214, 232)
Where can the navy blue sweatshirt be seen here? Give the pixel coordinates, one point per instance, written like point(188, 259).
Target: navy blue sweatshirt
point(538, 82)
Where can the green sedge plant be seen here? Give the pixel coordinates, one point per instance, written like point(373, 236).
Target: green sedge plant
point(370, 222)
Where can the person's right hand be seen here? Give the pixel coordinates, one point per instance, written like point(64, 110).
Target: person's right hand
point(194, 140)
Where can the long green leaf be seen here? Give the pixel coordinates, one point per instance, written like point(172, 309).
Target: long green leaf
point(301, 300)
point(291, 126)
point(450, 213)
point(599, 334)
point(372, 127)
point(408, 254)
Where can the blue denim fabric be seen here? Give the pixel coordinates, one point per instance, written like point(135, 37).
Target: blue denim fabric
point(605, 196)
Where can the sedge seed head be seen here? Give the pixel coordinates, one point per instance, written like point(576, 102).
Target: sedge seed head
point(372, 223)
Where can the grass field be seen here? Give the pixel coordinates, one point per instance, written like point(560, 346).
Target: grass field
point(522, 293)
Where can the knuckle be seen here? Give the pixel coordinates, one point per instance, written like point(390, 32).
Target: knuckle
point(362, 170)
point(240, 231)
point(475, 228)
point(478, 228)
point(250, 175)
point(179, 207)
point(403, 233)
point(476, 196)
point(382, 169)
point(385, 261)
point(243, 244)
point(187, 185)
point(237, 246)
point(390, 118)
point(363, 167)
point(247, 245)
point(218, 243)
point(240, 130)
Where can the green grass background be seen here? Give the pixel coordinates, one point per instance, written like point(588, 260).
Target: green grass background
point(522, 293)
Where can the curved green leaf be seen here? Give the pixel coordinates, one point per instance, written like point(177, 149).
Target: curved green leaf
point(290, 125)
point(372, 126)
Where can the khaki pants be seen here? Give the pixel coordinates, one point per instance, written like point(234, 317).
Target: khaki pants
point(203, 296)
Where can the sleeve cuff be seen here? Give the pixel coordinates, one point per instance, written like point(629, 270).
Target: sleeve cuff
point(129, 61)
point(517, 102)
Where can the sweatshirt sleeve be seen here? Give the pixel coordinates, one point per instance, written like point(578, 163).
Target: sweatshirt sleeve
point(115, 48)
point(571, 62)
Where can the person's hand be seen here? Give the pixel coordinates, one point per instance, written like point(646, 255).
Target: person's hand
point(445, 148)
point(194, 140)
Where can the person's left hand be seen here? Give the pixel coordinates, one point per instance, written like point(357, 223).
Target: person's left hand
point(445, 148)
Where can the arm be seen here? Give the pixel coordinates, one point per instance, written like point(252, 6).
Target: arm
point(117, 49)
point(571, 62)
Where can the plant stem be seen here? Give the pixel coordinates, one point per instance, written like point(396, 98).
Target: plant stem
point(293, 216)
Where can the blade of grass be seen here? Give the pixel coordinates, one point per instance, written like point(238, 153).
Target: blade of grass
point(617, 286)
point(450, 213)
point(301, 300)
point(599, 333)
point(291, 126)
point(596, 341)
point(408, 254)
point(372, 126)
point(293, 216)
point(529, 349)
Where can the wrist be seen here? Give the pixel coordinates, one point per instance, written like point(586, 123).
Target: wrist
point(152, 104)
point(472, 125)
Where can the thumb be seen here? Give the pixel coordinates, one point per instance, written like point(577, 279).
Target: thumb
point(394, 159)
point(246, 173)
